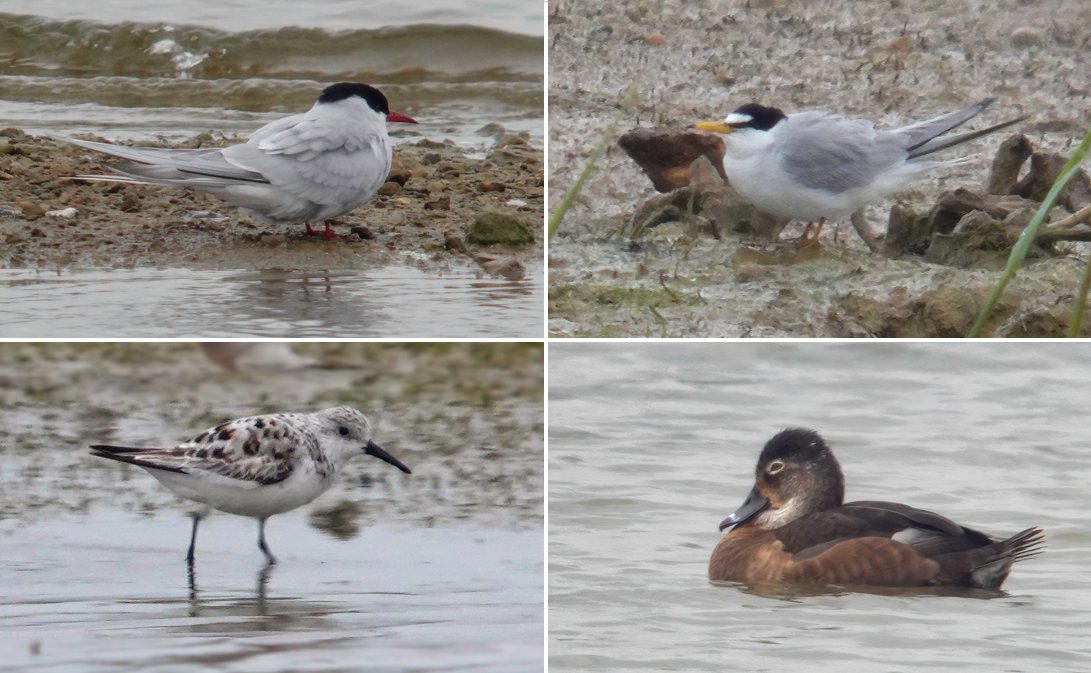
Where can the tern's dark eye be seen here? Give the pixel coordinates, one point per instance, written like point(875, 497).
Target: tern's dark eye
point(343, 431)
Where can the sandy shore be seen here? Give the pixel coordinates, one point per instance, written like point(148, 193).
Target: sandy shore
point(49, 221)
point(892, 62)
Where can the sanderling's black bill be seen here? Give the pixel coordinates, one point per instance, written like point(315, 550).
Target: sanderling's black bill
point(379, 452)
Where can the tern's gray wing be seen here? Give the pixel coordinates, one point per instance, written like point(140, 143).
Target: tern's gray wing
point(834, 154)
point(172, 166)
point(921, 134)
point(325, 158)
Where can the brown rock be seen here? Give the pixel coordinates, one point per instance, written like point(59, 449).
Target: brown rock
point(398, 173)
point(504, 267)
point(31, 211)
point(454, 243)
point(1009, 159)
point(130, 203)
point(442, 202)
point(390, 189)
point(666, 157)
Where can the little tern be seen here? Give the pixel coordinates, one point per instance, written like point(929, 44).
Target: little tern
point(307, 168)
point(816, 166)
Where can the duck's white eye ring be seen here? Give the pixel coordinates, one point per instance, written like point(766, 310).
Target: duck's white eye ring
point(775, 467)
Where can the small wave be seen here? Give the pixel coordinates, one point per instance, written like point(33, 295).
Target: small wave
point(37, 47)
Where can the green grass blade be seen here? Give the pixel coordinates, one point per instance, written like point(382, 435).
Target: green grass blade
point(608, 138)
point(1026, 239)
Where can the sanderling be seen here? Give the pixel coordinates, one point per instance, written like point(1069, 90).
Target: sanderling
point(258, 466)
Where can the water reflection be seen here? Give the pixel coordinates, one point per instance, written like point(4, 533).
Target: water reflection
point(393, 301)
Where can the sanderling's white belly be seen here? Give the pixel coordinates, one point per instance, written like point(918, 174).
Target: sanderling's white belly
point(256, 501)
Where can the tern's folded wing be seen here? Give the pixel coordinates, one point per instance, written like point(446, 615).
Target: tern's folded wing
point(320, 161)
point(164, 164)
point(834, 154)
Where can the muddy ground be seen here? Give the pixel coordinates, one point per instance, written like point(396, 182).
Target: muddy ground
point(435, 192)
point(893, 62)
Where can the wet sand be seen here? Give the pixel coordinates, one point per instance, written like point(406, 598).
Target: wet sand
point(890, 62)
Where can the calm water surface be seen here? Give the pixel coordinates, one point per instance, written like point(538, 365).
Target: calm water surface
point(289, 303)
point(651, 445)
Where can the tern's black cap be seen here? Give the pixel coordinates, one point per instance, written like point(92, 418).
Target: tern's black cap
point(343, 90)
point(761, 117)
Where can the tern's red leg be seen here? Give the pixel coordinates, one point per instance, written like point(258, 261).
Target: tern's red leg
point(328, 233)
point(811, 233)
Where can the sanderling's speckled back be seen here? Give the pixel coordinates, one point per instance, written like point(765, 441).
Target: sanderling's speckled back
point(258, 466)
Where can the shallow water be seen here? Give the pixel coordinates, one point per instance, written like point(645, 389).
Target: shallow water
point(140, 70)
point(437, 570)
point(397, 300)
point(109, 591)
point(652, 445)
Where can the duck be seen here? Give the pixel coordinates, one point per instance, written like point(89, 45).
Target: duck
point(795, 528)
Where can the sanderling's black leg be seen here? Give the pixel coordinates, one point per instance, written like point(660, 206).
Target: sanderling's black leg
point(192, 538)
point(261, 542)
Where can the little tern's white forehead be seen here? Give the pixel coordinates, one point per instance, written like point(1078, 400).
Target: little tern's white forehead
point(738, 119)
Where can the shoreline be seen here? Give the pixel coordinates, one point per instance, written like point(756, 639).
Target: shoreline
point(48, 220)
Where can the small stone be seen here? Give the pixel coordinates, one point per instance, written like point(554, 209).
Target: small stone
point(193, 215)
point(1025, 36)
point(454, 243)
point(430, 158)
point(509, 268)
point(363, 232)
point(65, 213)
point(442, 202)
point(511, 140)
point(37, 233)
point(31, 211)
point(398, 173)
point(491, 186)
point(498, 228)
point(390, 189)
point(492, 129)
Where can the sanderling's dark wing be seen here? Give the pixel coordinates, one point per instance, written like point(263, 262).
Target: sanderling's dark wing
point(260, 450)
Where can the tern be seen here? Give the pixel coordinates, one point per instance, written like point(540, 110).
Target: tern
point(308, 167)
point(816, 166)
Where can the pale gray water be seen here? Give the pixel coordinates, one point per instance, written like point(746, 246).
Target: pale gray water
point(109, 591)
point(651, 445)
point(398, 300)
